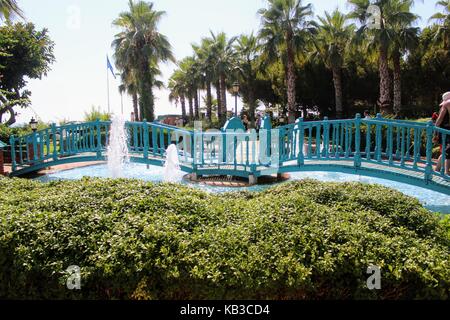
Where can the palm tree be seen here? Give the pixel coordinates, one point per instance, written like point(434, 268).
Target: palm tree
point(178, 90)
point(392, 13)
point(285, 30)
point(141, 47)
point(9, 8)
point(129, 85)
point(405, 39)
point(189, 84)
point(333, 40)
point(247, 51)
point(197, 80)
point(190, 79)
point(224, 55)
point(443, 19)
point(206, 64)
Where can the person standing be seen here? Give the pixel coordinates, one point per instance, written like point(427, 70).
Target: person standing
point(443, 121)
point(258, 121)
point(245, 122)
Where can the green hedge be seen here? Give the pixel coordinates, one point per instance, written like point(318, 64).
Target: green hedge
point(6, 132)
point(137, 240)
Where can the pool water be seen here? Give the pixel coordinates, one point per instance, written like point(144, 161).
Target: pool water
point(432, 200)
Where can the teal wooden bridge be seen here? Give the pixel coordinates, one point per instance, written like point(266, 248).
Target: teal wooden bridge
point(402, 151)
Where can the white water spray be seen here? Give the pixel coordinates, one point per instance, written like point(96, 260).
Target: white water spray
point(171, 171)
point(117, 153)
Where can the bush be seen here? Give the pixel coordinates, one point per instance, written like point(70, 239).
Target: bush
point(18, 131)
point(138, 240)
point(6, 132)
point(95, 114)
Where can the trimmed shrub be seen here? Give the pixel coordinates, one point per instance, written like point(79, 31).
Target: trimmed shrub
point(138, 240)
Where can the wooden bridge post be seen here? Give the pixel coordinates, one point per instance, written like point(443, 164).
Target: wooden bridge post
point(55, 152)
point(252, 180)
point(429, 166)
point(357, 155)
point(301, 156)
point(12, 141)
point(146, 142)
point(390, 144)
point(378, 139)
point(326, 137)
point(154, 139)
point(34, 146)
point(99, 139)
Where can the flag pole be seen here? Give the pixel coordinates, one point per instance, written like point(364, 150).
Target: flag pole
point(107, 85)
point(121, 101)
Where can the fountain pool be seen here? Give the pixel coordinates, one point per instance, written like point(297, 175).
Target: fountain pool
point(434, 201)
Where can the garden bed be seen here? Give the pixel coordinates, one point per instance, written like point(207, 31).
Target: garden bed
point(138, 240)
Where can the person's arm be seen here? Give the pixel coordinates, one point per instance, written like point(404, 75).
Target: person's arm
point(442, 113)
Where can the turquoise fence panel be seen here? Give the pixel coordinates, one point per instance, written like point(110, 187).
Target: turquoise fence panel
point(398, 144)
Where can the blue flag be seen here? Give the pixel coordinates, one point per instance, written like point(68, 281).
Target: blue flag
point(110, 67)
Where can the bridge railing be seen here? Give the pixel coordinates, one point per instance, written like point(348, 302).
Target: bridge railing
point(57, 142)
point(405, 145)
point(378, 142)
point(152, 139)
point(226, 148)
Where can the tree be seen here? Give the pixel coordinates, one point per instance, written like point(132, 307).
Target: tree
point(8, 9)
point(247, 55)
point(179, 90)
point(405, 39)
point(206, 58)
point(141, 47)
point(188, 68)
point(389, 15)
point(443, 20)
point(426, 75)
point(331, 43)
point(25, 53)
point(129, 85)
point(285, 30)
point(224, 55)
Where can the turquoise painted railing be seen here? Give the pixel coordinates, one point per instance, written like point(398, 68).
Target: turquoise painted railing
point(378, 144)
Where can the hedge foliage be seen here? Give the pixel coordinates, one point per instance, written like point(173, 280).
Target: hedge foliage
point(138, 240)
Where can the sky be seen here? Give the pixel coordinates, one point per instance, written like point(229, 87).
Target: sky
point(82, 31)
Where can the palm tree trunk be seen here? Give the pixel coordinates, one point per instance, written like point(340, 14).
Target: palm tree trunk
point(151, 105)
point(385, 82)
point(397, 83)
point(223, 95)
point(290, 79)
point(252, 105)
point(196, 106)
point(337, 81)
point(219, 101)
point(191, 109)
point(146, 102)
point(134, 97)
point(208, 101)
point(141, 111)
point(183, 108)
